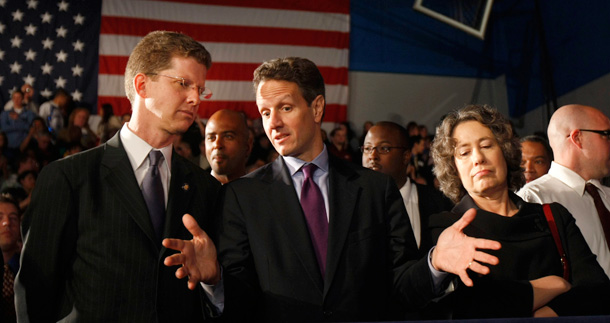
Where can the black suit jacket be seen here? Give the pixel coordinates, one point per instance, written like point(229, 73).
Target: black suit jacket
point(270, 270)
point(430, 201)
point(90, 251)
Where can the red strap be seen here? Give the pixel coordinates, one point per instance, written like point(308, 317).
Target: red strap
point(553, 226)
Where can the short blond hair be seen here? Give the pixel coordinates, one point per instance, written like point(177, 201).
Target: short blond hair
point(155, 51)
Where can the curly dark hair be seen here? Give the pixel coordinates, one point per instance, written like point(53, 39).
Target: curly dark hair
point(443, 148)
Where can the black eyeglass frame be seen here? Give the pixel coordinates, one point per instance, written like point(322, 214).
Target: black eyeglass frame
point(605, 133)
point(378, 149)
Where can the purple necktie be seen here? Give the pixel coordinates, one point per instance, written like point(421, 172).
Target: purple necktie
point(152, 189)
point(312, 203)
point(602, 211)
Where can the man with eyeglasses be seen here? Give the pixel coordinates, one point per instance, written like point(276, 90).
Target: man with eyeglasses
point(579, 137)
point(387, 150)
point(94, 229)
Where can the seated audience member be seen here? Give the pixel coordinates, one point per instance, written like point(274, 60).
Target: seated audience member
point(28, 99)
point(16, 122)
point(386, 150)
point(536, 157)
point(420, 171)
point(477, 161)
point(227, 145)
point(109, 123)
point(365, 129)
point(579, 137)
point(78, 130)
point(27, 180)
point(412, 128)
point(10, 243)
point(38, 125)
point(45, 150)
point(339, 146)
point(55, 111)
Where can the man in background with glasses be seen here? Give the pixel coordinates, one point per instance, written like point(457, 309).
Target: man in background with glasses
point(94, 228)
point(579, 137)
point(387, 150)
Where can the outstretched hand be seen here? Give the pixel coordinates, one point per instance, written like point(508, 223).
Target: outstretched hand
point(197, 256)
point(456, 252)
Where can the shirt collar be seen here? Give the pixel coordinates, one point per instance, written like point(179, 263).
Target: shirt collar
point(570, 178)
point(137, 149)
point(294, 164)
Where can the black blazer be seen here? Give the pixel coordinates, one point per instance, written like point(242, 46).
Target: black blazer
point(528, 252)
point(90, 250)
point(270, 270)
point(430, 201)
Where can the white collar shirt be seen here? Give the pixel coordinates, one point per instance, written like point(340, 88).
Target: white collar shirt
point(566, 187)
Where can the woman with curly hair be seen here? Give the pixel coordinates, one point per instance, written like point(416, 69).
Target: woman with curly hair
point(477, 161)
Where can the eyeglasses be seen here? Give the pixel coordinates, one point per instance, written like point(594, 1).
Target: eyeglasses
point(603, 133)
point(204, 92)
point(382, 150)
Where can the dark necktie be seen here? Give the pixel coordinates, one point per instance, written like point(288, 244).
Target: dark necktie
point(312, 203)
point(152, 189)
point(8, 302)
point(602, 211)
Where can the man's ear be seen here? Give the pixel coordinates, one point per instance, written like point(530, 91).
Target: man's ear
point(139, 83)
point(406, 157)
point(576, 138)
point(318, 108)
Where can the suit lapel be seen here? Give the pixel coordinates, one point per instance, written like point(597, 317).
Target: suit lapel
point(292, 218)
point(180, 194)
point(343, 196)
point(118, 173)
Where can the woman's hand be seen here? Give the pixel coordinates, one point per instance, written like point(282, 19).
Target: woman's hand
point(545, 290)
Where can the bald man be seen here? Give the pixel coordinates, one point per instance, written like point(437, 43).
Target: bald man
point(579, 137)
point(227, 144)
point(387, 149)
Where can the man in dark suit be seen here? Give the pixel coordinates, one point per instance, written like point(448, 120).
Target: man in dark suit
point(387, 149)
point(92, 249)
point(312, 238)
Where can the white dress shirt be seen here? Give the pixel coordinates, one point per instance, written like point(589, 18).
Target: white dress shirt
point(137, 150)
point(566, 187)
point(411, 200)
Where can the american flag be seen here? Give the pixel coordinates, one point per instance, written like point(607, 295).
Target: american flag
point(240, 34)
point(50, 45)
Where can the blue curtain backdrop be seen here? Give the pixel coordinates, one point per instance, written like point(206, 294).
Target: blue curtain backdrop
point(564, 40)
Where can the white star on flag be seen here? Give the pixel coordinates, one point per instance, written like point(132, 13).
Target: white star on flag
point(78, 45)
point(60, 82)
point(15, 68)
point(61, 31)
point(30, 55)
point(17, 15)
point(46, 17)
point(47, 43)
point(47, 68)
point(29, 79)
point(31, 30)
point(77, 70)
point(61, 56)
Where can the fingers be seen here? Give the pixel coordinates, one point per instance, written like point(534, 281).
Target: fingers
point(175, 244)
point(485, 258)
point(175, 260)
point(465, 220)
point(191, 224)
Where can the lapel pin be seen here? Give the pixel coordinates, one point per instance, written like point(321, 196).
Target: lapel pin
point(185, 187)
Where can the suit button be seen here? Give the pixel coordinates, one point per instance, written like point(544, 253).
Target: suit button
point(328, 313)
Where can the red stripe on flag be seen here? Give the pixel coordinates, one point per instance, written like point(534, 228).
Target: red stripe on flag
point(226, 33)
point(121, 105)
point(114, 65)
point(334, 6)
